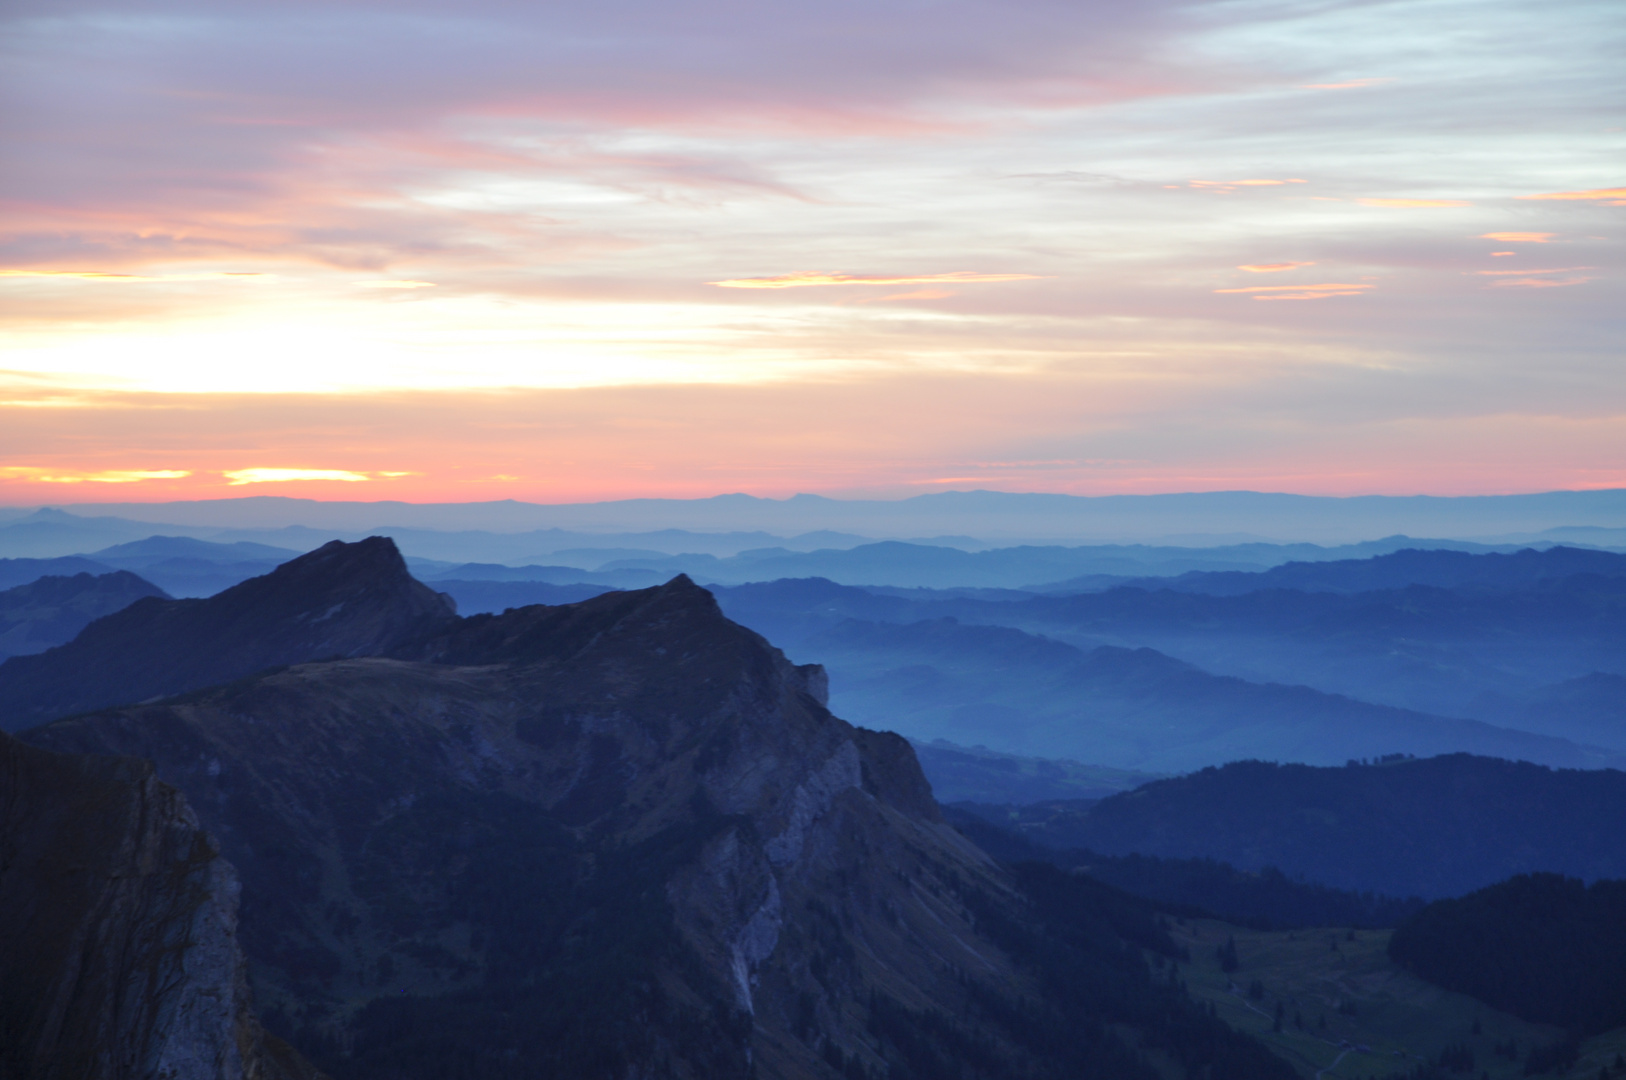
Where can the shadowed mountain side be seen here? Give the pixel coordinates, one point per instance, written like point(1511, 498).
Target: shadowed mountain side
point(1434, 827)
point(340, 600)
point(489, 597)
point(1128, 709)
point(624, 837)
point(53, 610)
point(117, 918)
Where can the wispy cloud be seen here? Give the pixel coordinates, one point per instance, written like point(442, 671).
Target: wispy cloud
point(1352, 84)
point(1518, 237)
point(1301, 292)
point(238, 477)
point(110, 278)
point(1555, 270)
point(813, 278)
point(1272, 268)
point(1415, 204)
point(1613, 196)
point(108, 476)
point(396, 284)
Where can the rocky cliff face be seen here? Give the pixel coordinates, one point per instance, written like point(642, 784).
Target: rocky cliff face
point(340, 600)
point(625, 838)
point(118, 955)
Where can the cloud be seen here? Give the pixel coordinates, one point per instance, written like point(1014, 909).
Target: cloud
point(1300, 292)
point(110, 476)
point(1518, 237)
point(1614, 196)
point(1272, 268)
point(1415, 204)
point(396, 284)
point(1538, 283)
point(1555, 270)
point(811, 278)
point(1232, 185)
point(1352, 84)
point(238, 477)
point(110, 278)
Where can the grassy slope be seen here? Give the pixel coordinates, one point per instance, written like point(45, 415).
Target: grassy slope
point(1398, 1017)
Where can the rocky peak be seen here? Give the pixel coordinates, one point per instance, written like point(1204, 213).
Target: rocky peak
point(339, 600)
point(620, 838)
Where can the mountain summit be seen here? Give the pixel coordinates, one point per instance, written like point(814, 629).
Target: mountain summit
point(626, 838)
point(340, 600)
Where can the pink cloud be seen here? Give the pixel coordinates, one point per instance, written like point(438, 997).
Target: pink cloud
point(1272, 268)
point(813, 278)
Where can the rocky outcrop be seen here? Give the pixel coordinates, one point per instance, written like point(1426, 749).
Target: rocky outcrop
point(339, 600)
point(118, 917)
point(615, 839)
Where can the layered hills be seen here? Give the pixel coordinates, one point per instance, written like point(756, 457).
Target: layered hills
point(1434, 827)
point(340, 600)
point(53, 610)
point(623, 837)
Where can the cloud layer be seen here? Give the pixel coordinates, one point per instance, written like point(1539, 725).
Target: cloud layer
point(208, 202)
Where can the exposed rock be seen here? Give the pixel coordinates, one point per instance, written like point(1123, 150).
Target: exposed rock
point(118, 954)
point(339, 600)
point(621, 838)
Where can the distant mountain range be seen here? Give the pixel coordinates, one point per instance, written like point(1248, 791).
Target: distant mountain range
point(1197, 518)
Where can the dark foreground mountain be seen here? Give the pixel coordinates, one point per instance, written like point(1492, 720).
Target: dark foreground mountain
point(117, 920)
point(53, 610)
point(1435, 827)
point(1544, 947)
point(340, 600)
point(625, 838)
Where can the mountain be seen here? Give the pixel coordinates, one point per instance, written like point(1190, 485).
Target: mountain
point(485, 597)
point(978, 774)
point(1442, 569)
point(137, 554)
point(118, 955)
point(1263, 899)
point(1544, 947)
point(1138, 709)
point(340, 600)
point(1433, 827)
point(625, 837)
point(991, 515)
point(52, 610)
point(185, 566)
point(14, 572)
point(1591, 708)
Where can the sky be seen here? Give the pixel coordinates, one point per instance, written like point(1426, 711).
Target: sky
point(568, 251)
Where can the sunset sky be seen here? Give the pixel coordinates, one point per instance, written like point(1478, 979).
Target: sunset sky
point(568, 251)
